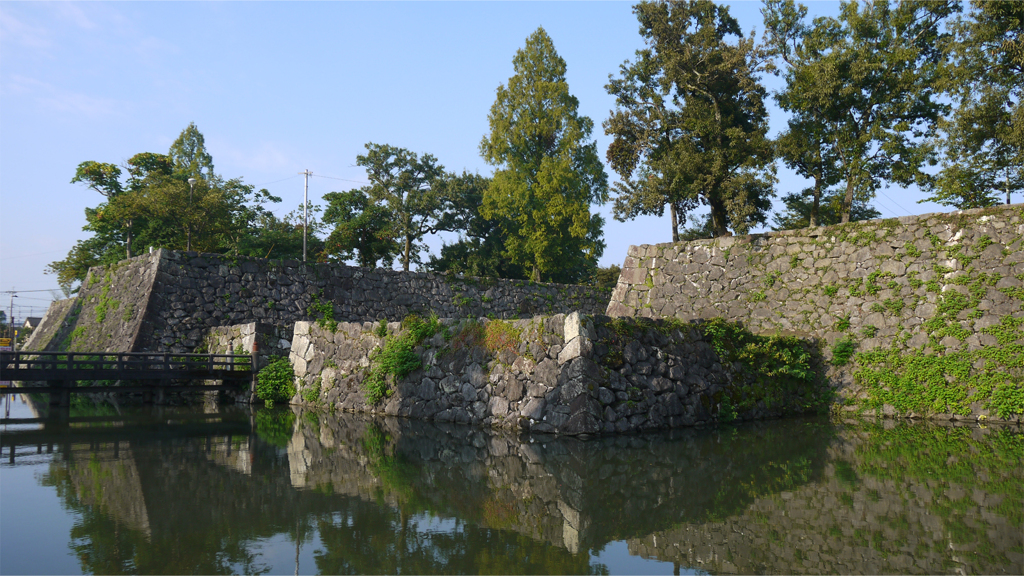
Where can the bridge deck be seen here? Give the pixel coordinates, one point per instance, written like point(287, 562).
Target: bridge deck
point(61, 370)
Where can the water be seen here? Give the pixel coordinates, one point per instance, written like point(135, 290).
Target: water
point(163, 490)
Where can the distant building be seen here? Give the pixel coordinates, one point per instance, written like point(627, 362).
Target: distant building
point(31, 322)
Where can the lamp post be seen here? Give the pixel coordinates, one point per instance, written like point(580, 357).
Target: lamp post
point(191, 187)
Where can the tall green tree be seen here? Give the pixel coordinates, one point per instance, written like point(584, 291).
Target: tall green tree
point(984, 139)
point(407, 184)
point(644, 126)
point(548, 171)
point(865, 85)
point(690, 125)
point(362, 229)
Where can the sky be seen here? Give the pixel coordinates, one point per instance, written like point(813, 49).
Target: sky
point(279, 88)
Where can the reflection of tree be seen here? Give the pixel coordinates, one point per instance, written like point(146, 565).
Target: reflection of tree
point(372, 539)
point(105, 545)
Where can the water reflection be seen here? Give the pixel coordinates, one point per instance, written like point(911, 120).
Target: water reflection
point(183, 492)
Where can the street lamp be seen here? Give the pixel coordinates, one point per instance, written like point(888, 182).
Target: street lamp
point(191, 187)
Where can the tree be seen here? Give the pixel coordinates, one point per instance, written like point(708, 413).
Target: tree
point(863, 84)
point(827, 205)
point(149, 202)
point(984, 140)
point(480, 249)
point(691, 120)
point(644, 126)
point(189, 156)
point(362, 229)
point(406, 184)
point(548, 173)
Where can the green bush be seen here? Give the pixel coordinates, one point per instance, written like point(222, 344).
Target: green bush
point(276, 381)
point(843, 350)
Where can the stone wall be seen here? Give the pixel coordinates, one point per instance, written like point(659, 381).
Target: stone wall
point(936, 286)
point(108, 313)
point(168, 301)
point(564, 374)
point(54, 321)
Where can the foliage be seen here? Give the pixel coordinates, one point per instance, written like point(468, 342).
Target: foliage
point(406, 185)
point(275, 382)
point(323, 312)
point(829, 211)
point(776, 367)
point(480, 249)
point(690, 123)
point(362, 229)
point(500, 335)
point(843, 350)
point(148, 202)
point(863, 87)
point(311, 393)
point(606, 277)
point(397, 359)
point(984, 138)
point(548, 173)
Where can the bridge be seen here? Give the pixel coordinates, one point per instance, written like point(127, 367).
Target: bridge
point(144, 371)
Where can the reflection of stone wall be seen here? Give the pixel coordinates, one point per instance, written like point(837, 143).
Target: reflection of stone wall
point(110, 481)
point(854, 524)
point(574, 494)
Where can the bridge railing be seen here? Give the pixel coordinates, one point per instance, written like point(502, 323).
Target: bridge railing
point(124, 361)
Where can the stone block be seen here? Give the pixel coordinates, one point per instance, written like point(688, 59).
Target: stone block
point(577, 347)
point(534, 409)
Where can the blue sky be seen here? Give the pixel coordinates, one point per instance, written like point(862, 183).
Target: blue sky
point(277, 88)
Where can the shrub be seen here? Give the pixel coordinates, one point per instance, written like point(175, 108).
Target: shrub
point(843, 350)
point(276, 381)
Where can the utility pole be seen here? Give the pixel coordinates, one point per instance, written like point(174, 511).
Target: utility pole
point(305, 218)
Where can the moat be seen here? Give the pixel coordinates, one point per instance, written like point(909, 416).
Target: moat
point(233, 490)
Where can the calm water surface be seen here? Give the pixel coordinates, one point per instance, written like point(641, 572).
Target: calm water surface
point(171, 490)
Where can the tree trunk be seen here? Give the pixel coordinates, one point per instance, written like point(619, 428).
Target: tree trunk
point(535, 275)
point(128, 243)
point(814, 221)
point(675, 222)
point(847, 201)
point(718, 218)
point(408, 249)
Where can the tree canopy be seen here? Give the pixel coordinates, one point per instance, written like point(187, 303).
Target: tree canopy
point(148, 202)
point(407, 184)
point(867, 82)
point(548, 171)
point(984, 139)
point(690, 124)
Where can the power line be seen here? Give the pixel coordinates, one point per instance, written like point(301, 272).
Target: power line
point(342, 179)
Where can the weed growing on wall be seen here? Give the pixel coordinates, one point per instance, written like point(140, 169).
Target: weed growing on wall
point(397, 359)
point(275, 382)
point(928, 383)
point(323, 312)
point(500, 335)
point(843, 350)
point(312, 393)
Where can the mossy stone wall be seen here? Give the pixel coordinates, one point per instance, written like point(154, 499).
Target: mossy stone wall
point(931, 306)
